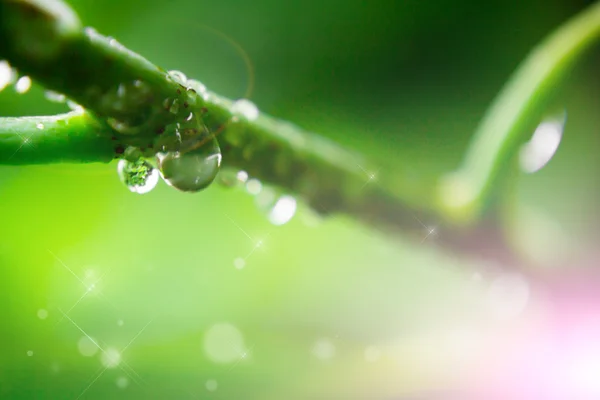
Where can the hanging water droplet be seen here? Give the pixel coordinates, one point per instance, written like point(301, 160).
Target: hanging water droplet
point(55, 97)
point(197, 87)
point(6, 74)
point(193, 170)
point(139, 176)
point(246, 109)
point(538, 151)
point(178, 77)
point(23, 84)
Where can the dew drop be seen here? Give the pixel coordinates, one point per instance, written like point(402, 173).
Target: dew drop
point(197, 87)
point(538, 151)
point(245, 108)
point(178, 77)
point(23, 84)
point(6, 74)
point(174, 108)
point(55, 97)
point(40, 126)
point(193, 170)
point(139, 176)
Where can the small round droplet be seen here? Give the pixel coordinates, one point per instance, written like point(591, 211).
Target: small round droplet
point(42, 314)
point(193, 170)
point(178, 76)
point(239, 263)
point(40, 126)
point(253, 186)
point(211, 385)
point(23, 84)
point(55, 97)
point(122, 382)
point(87, 346)
point(246, 109)
point(139, 176)
point(29, 353)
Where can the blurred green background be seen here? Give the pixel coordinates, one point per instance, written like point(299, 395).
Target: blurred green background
point(324, 309)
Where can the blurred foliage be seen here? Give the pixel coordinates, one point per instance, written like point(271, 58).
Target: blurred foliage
point(403, 81)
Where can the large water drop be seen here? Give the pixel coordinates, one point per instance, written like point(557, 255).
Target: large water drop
point(23, 84)
point(6, 74)
point(192, 170)
point(139, 176)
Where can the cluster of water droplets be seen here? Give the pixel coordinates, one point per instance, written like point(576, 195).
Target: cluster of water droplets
point(188, 157)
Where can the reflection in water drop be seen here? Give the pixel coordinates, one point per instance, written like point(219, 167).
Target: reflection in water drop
point(110, 358)
point(193, 170)
point(23, 84)
point(224, 343)
point(6, 74)
point(178, 76)
point(536, 153)
point(87, 346)
point(139, 176)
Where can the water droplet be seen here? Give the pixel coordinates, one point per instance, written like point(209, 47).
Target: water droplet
point(536, 153)
point(23, 84)
point(139, 176)
point(211, 385)
point(197, 87)
point(323, 349)
point(224, 343)
point(174, 108)
point(42, 314)
point(29, 353)
point(55, 97)
point(40, 126)
point(193, 170)
point(178, 77)
point(87, 346)
point(6, 74)
point(253, 186)
point(110, 358)
point(122, 382)
point(246, 109)
point(239, 263)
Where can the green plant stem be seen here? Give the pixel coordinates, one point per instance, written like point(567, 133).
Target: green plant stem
point(75, 137)
point(510, 120)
